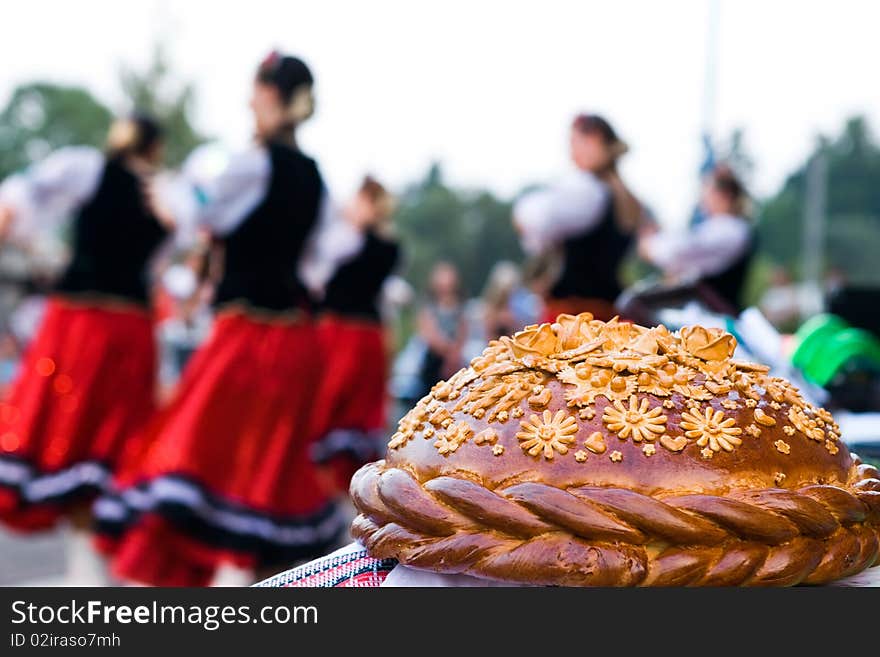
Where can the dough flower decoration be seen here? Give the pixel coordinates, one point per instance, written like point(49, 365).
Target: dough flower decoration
point(695, 392)
point(533, 340)
point(652, 384)
point(483, 396)
point(646, 343)
point(572, 331)
point(711, 429)
point(413, 421)
point(497, 395)
point(619, 335)
point(495, 353)
point(453, 438)
point(673, 374)
point(826, 418)
point(463, 377)
point(637, 420)
point(398, 440)
point(708, 343)
point(547, 434)
point(628, 361)
point(408, 425)
point(590, 382)
point(809, 426)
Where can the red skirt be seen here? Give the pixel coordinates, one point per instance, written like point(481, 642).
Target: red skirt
point(85, 388)
point(226, 473)
point(351, 405)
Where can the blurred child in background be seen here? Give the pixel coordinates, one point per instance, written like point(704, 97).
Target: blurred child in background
point(442, 326)
point(499, 316)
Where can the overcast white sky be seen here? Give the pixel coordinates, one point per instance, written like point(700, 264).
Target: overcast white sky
point(488, 88)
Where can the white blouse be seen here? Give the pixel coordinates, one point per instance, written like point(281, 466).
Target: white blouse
point(220, 199)
point(571, 206)
point(705, 250)
point(202, 194)
point(46, 194)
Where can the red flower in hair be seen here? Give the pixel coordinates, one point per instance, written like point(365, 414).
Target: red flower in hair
point(271, 60)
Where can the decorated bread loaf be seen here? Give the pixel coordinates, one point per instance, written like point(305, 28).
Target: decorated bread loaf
point(590, 453)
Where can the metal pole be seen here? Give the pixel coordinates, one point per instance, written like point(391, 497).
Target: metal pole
point(710, 74)
point(815, 208)
point(707, 118)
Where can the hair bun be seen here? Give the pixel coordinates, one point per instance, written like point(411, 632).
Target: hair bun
point(302, 104)
point(133, 135)
point(123, 135)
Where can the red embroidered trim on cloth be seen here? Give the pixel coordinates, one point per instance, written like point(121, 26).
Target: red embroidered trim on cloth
point(353, 569)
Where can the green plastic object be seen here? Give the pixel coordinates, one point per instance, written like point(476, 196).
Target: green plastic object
point(841, 348)
point(812, 336)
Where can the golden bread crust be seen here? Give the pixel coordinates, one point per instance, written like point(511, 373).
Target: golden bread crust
point(592, 453)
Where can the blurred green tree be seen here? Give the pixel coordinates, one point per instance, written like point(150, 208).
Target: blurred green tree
point(853, 208)
point(41, 117)
point(156, 91)
point(470, 228)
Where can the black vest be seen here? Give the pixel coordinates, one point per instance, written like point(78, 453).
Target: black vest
point(729, 283)
point(591, 260)
point(114, 236)
point(262, 254)
point(355, 287)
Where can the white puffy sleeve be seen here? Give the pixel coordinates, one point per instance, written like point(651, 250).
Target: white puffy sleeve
point(707, 249)
point(547, 216)
point(47, 193)
point(332, 241)
point(395, 295)
point(214, 191)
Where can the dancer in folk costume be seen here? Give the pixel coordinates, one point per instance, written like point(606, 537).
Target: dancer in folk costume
point(86, 384)
point(589, 218)
point(227, 474)
point(717, 252)
point(351, 403)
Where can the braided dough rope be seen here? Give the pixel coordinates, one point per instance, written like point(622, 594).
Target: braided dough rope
point(589, 536)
